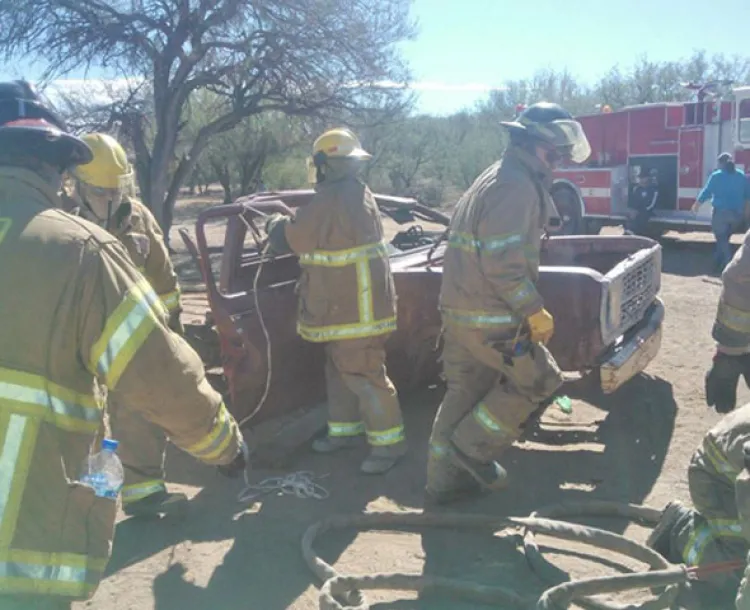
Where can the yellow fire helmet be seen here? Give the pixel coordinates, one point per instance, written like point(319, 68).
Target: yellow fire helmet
point(340, 142)
point(104, 181)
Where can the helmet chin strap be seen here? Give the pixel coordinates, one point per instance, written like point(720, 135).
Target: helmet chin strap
point(102, 223)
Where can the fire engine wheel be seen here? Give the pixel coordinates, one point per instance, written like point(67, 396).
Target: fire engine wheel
point(569, 209)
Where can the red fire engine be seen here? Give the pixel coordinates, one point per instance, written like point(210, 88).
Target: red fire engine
point(676, 144)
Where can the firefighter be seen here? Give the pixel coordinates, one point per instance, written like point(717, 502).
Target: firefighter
point(77, 314)
point(729, 191)
point(642, 202)
point(715, 529)
point(731, 331)
point(347, 299)
point(742, 493)
point(104, 187)
point(496, 365)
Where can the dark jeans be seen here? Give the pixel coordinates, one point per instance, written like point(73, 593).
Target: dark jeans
point(723, 223)
point(639, 222)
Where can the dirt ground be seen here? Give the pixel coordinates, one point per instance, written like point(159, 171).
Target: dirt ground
point(633, 446)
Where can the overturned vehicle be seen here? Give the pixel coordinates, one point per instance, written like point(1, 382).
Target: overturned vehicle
point(602, 291)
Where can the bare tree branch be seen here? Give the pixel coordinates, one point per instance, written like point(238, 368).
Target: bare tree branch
point(297, 57)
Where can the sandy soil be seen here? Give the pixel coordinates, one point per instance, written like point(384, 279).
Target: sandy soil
point(633, 446)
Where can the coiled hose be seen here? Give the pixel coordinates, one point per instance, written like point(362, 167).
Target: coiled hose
point(547, 521)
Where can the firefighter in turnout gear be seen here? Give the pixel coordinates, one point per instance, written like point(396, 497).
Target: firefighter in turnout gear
point(742, 493)
point(496, 365)
point(731, 331)
point(717, 528)
point(347, 299)
point(76, 314)
point(105, 187)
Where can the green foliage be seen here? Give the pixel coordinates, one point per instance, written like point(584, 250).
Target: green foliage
point(435, 159)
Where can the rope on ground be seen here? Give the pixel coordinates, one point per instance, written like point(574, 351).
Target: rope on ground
point(349, 588)
point(300, 484)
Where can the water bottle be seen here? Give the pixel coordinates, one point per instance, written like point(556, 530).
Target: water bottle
point(103, 471)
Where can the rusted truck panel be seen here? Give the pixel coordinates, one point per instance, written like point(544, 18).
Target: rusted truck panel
point(602, 291)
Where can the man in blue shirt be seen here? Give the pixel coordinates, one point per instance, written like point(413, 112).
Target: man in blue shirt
point(728, 188)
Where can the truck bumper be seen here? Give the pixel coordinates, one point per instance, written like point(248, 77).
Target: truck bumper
point(638, 347)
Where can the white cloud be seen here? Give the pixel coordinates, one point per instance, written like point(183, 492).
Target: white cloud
point(95, 90)
point(440, 86)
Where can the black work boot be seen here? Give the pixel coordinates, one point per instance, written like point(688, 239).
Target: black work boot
point(489, 475)
point(722, 380)
point(660, 539)
point(157, 504)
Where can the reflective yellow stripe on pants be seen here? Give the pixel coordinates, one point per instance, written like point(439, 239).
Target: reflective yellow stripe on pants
point(125, 331)
point(367, 325)
point(336, 428)
point(706, 533)
point(489, 422)
point(138, 491)
point(63, 574)
point(383, 438)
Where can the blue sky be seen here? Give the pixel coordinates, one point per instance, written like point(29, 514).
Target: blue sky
point(490, 41)
point(465, 47)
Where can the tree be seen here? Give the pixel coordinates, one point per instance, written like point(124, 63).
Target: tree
point(299, 57)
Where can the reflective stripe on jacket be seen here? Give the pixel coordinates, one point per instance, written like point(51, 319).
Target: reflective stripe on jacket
point(721, 448)
point(79, 311)
point(732, 326)
point(136, 227)
point(491, 264)
point(346, 288)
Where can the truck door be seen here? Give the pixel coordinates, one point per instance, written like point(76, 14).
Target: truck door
point(691, 172)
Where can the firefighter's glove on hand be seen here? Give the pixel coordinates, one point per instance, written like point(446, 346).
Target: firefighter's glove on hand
point(237, 466)
point(541, 325)
point(721, 382)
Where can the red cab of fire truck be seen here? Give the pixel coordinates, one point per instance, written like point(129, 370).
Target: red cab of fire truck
point(675, 144)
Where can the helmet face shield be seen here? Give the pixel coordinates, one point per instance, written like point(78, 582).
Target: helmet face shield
point(568, 137)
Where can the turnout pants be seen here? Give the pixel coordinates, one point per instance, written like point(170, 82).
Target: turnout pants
point(490, 394)
point(141, 450)
point(361, 397)
point(712, 531)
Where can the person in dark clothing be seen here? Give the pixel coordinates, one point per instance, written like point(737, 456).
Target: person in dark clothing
point(642, 202)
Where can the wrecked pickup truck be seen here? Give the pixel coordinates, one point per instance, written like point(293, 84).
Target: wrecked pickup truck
point(602, 291)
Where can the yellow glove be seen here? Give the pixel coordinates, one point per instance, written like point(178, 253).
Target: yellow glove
point(542, 326)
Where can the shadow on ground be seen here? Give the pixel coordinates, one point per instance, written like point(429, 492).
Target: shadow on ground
point(689, 258)
point(613, 450)
point(612, 447)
